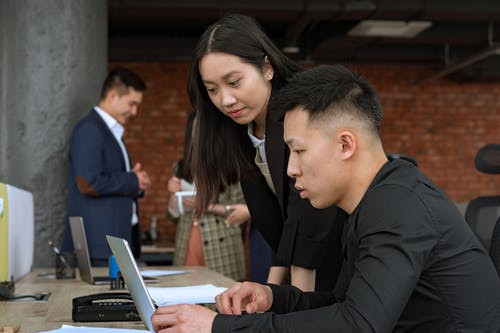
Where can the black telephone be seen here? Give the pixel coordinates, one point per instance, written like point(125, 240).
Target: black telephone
point(105, 307)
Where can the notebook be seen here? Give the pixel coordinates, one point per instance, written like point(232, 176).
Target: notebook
point(131, 275)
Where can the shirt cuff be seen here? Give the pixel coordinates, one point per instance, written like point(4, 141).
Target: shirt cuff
point(173, 213)
point(280, 295)
point(223, 323)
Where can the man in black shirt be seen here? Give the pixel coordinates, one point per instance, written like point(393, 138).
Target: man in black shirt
point(411, 263)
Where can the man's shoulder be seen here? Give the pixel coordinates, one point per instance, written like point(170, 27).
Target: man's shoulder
point(89, 123)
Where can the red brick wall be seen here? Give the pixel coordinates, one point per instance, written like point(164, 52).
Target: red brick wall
point(442, 124)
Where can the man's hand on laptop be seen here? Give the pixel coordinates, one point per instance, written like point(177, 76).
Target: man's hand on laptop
point(249, 296)
point(183, 318)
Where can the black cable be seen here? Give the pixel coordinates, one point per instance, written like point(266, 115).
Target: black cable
point(34, 296)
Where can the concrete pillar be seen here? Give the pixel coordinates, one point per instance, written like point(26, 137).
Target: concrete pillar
point(53, 59)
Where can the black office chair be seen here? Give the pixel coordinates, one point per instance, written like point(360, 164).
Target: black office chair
point(495, 246)
point(482, 213)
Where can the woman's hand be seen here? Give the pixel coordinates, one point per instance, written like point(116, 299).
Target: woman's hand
point(239, 214)
point(174, 184)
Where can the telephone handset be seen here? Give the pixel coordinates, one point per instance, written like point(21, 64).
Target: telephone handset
point(104, 307)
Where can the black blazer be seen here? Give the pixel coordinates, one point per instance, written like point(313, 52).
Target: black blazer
point(298, 233)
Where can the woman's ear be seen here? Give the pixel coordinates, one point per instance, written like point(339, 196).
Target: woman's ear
point(268, 69)
point(347, 144)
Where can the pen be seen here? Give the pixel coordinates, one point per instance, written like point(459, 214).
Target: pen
point(59, 254)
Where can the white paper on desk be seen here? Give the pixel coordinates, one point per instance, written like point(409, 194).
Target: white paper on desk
point(159, 272)
point(199, 294)
point(83, 329)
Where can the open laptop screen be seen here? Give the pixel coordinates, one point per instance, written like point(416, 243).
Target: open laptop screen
point(135, 283)
point(82, 251)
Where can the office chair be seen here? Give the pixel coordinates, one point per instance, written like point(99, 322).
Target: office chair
point(481, 215)
point(482, 212)
point(495, 246)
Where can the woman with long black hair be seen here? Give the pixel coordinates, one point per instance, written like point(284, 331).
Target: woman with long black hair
point(237, 138)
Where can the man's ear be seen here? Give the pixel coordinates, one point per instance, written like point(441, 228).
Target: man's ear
point(111, 95)
point(347, 144)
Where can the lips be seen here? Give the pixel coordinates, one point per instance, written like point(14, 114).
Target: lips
point(302, 191)
point(236, 113)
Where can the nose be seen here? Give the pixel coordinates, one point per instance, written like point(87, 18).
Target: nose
point(133, 110)
point(293, 170)
point(227, 99)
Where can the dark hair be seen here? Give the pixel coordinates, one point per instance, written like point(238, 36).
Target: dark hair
point(326, 90)
point(121, 79)
point(220, 145)
point(183, 166)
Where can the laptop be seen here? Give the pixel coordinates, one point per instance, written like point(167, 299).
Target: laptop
point(135, 283)
point(82, 254)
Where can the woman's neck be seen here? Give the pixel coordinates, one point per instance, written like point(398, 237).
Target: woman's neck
point(259, 125)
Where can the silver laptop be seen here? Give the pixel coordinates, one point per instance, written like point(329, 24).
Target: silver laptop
point(82, 252)
point(133, 279)
point(83, 257)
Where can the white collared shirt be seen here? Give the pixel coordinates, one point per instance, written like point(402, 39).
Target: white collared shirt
point(117, 129)
point(257, 143)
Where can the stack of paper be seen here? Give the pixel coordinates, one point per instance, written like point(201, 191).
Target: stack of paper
point(160, 272)
point(83, 329)
point(200, 294)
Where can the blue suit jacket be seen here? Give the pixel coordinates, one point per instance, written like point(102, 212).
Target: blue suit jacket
point(101, 190)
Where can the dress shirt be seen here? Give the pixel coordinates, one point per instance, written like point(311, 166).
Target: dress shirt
point(257, 143)
point(117, 129)
point(411, 264)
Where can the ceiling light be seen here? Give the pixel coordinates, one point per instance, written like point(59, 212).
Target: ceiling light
point(291, 49)
point(394, 29)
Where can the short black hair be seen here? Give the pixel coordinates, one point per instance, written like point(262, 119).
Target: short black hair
point(121, 78)
point(330, 90)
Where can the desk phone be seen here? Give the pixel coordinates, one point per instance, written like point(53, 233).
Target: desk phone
point(104, 307)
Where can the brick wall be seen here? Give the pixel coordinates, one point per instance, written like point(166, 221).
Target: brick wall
point(442, 124)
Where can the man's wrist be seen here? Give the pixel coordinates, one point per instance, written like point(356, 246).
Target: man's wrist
point(223, 323)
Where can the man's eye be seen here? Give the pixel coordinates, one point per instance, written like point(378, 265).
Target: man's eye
point(298, 151)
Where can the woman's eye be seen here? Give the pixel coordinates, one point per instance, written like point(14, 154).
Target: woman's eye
point(211, 90)
point(234, 83)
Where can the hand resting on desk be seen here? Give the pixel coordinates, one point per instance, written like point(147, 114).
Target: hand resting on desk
point(250, 296)
point(183, 318)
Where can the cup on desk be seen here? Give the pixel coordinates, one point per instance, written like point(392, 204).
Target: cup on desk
point(64, 270)
point(115, 277)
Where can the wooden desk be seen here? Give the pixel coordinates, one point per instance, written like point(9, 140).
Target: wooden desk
point(36, 316)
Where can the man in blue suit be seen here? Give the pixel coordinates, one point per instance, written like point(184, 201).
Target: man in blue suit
point(103, 185)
